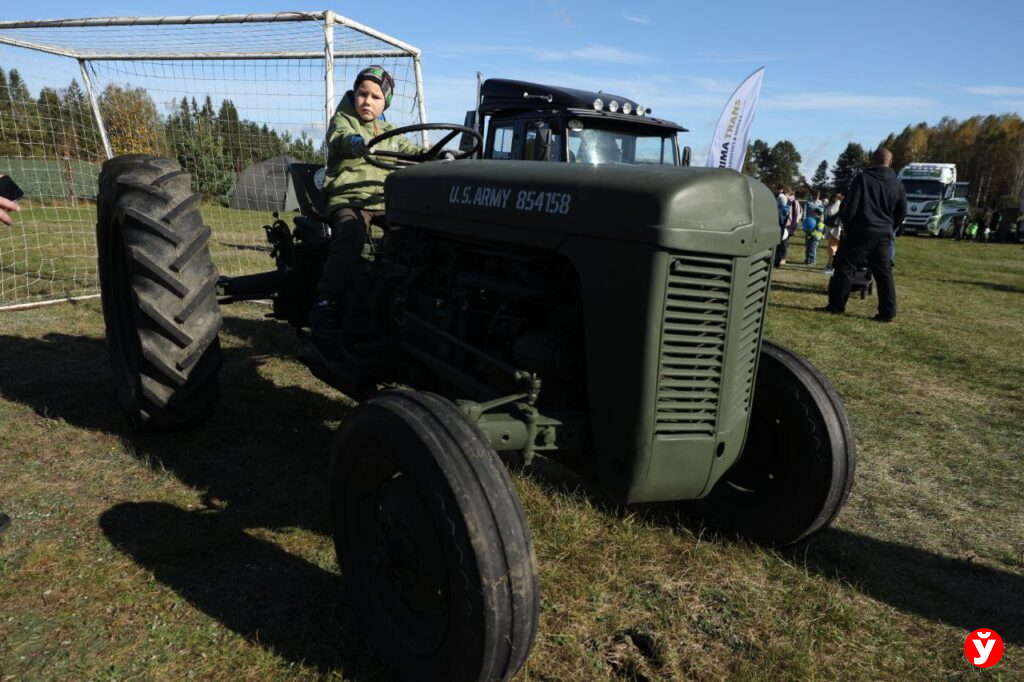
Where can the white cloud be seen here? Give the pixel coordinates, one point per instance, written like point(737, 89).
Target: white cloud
point(636, 20)
point(823, 101)
point(1010, 104)
point(713, 84)
point(728, 58)
point(994, 90)
point(594, 52)
point(609, 53)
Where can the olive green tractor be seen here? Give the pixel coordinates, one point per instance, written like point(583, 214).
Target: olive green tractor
point(573, 291)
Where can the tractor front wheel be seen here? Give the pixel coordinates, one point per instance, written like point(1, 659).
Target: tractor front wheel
point(432, 542)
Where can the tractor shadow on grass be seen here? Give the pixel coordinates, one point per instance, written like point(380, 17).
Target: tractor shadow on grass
point(1005, 288)
point(259, 461)
point(955, 591)
point(272, 598)
point(262, 455)
point(941, 588)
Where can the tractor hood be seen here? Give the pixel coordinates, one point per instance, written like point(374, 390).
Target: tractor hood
point(541, 204)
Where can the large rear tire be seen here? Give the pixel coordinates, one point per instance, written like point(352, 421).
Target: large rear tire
point(158, 287)
point(798, 463)
point(432, 542)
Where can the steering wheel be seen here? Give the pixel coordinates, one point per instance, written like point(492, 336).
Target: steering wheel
point(389, 160)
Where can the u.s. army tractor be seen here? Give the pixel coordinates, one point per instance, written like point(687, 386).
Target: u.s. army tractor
point(578, 293)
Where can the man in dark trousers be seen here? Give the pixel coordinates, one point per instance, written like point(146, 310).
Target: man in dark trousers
point(874, 207)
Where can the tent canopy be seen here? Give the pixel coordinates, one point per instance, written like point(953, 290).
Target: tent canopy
point(266, 186)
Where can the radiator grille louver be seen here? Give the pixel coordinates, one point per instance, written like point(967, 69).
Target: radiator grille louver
point(752, 317)
point(693, 345)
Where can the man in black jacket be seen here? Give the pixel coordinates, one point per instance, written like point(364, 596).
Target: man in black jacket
point(874, 207)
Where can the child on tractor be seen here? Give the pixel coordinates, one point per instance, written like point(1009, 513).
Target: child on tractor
point(354, 189)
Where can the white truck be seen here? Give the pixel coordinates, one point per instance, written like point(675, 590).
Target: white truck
point(934, 198)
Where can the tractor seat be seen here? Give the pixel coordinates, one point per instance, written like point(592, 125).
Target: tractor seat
point(310, 197)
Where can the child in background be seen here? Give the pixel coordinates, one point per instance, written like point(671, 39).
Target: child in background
point(814, 228)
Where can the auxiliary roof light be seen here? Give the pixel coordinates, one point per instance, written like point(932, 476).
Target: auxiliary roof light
point(627, 108)
point(598, 104)
point(613, 106)
point(640, 111)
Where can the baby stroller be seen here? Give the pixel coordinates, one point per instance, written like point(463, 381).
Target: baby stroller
point(862, 283)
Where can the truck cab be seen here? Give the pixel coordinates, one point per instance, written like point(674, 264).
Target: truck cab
point(934, 198)
point(534, 122)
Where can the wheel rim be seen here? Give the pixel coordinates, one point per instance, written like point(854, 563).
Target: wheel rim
point(761, 472)
point(399, 552)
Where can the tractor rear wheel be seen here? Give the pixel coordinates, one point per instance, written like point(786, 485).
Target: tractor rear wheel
point(432, 542)
point(798, 463)
point(158, 286)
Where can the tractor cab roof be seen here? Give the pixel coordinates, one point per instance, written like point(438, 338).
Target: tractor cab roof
point(503, 96)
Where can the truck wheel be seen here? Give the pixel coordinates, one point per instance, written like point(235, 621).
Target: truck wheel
point(797, 466)
point(158, 286)
point(432, 542)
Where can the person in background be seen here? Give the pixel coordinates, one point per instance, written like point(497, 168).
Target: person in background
point(782, 199)
point(814, 234)
point(813, 204)
point(835, 231)
point(6, 208)
point(793, 217)
point(983, 223)
point(996, 226)
point(959, 222)
point(796, 214)
point(972, 231)
point(874, 206)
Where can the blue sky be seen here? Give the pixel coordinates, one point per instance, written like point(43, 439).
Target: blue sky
point(835, 73)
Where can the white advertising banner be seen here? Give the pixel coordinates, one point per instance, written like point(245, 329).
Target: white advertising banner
point(729, 146)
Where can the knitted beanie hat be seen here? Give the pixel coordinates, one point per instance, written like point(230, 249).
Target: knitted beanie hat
point(378, 75)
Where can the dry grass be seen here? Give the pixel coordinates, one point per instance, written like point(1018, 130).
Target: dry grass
point(206, 553)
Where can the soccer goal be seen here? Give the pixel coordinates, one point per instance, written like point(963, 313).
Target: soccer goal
point(232, 98)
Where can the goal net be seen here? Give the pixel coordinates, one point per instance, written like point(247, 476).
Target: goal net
point(232, 98)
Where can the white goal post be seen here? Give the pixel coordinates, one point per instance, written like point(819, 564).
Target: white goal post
point(232, 98)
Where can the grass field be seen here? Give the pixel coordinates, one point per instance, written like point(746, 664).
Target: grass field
point(206, 553)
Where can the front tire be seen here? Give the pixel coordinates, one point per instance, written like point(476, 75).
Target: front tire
point(432, 541)
point(799, 459)
point(158, 286)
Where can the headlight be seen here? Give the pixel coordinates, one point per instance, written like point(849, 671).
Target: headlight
point(598, 104)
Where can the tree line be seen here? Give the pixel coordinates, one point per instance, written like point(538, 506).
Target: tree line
point(214, 145)
point(988, 152)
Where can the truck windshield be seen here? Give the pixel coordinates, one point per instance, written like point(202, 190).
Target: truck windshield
point(614, 146)
point(923, 189)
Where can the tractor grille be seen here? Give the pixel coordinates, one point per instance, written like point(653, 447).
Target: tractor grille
point(693, 344)
point(752, 316)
